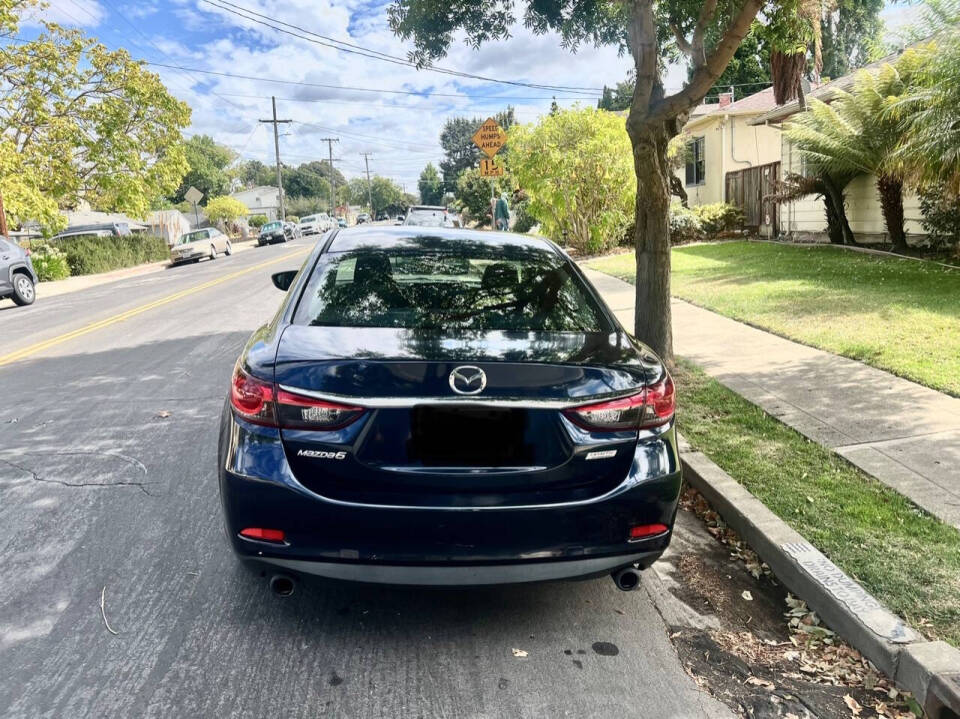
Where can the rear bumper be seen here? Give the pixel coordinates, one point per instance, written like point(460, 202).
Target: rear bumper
point(462, 575)
point(440, 545)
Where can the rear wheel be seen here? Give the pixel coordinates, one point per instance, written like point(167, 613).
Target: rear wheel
point(228, 250)
point(24, 292)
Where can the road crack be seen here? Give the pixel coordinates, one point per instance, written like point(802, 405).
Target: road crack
point(37, 477)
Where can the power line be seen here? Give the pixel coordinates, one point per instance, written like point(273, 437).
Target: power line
point(354, 49)
point(382, 91)
point(155, 47)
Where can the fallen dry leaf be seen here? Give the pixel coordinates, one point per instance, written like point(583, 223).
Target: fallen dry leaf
point(747, 595)
point(853, 705)
point(519, 653)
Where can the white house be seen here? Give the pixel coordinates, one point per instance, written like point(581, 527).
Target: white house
point(260, 200)
point(730, 159)
point(806, 218)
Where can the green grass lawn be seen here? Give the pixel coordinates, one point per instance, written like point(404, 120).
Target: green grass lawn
point(907, 559)
point(899, 315)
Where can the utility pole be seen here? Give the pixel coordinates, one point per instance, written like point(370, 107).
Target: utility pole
point(333, 180)
point(276, 146)
point(366, 162)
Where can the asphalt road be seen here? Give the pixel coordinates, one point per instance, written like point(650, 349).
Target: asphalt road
point(108, 423)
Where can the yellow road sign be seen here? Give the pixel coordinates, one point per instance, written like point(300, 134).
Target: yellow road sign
point(490, 168)
point(490, 137)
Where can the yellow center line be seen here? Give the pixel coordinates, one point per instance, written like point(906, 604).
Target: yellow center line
point(100, 324)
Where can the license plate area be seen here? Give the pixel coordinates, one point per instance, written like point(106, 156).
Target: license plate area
point(469, 436)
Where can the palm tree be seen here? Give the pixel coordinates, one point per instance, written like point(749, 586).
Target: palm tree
point(930, 153)
point(858, 133)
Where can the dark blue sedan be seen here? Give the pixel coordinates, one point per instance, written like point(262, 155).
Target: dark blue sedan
point(446, 407)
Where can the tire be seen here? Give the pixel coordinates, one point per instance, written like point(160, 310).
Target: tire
point(229, 249)
point(24, 292)
point(213, 252)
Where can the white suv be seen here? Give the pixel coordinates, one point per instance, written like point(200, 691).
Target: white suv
point(315, 224)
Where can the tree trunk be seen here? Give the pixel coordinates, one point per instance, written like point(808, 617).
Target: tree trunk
point(836, 196)
point(891, 203)
point(834, 223)
point(652, 318)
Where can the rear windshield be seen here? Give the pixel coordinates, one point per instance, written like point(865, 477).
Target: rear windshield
point(194, 236)
point(474, 288)
point(426, 218)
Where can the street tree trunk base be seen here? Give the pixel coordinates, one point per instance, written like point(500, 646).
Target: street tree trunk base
point(652, 316)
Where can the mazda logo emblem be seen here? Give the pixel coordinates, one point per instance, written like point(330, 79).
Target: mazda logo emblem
point(468, 380)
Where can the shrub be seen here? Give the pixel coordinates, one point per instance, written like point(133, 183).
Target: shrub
point(577, 167)
point(225, 209)
point(89, 254)
point(718, 217)
point(941, 217)
point(257, 221)
point(685, 225)
point(523, 220)
point(293, 218)
point(49, 262)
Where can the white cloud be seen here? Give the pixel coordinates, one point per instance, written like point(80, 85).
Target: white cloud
point(402, 131)
point(75, 13)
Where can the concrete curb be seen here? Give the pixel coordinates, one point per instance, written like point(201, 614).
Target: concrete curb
point(930, 670)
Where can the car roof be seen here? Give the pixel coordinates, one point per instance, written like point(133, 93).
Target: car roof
point(396, 237)
point(428, 207)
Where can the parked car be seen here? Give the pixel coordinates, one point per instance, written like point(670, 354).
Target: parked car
point(363, 217)
point(100, 229)
point(341, 222)
point(315, 224)
point(199, 244)
point(398, 220)
point(274, 231)
point(383, 217)
point(17, 277)
point(428, 216)
point(446, 407)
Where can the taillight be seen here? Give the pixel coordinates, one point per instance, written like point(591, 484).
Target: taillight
point(252, 398)
point(652, 407)
point(298, 412)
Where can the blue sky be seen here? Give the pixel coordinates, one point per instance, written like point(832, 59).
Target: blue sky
point(401, 131)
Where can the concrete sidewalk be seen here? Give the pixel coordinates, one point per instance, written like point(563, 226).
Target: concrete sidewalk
point(905, 435)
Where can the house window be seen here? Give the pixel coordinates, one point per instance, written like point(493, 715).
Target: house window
point(695, 166)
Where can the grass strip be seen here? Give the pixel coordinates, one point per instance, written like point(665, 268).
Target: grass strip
point(906, 558)
point(898, 315)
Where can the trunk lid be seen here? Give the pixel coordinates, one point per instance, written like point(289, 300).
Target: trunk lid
point(420, 443)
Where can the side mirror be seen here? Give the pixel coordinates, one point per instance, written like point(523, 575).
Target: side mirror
point(283, 280)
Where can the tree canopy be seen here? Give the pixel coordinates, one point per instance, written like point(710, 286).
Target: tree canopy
point(81, 122)
point(208, 161)
point(430, 186)
point(575, 167)
point(225, 209)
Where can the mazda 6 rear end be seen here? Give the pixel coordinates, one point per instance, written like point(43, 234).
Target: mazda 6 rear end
point(447, 407)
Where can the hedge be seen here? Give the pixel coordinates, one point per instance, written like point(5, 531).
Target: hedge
point(89, 254)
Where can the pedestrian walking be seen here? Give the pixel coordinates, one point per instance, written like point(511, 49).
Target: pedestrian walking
point(501, 213)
